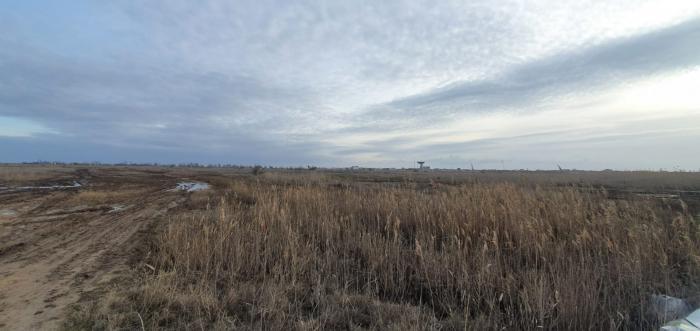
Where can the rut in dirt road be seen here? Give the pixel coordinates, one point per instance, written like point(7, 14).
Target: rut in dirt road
point(51, 253)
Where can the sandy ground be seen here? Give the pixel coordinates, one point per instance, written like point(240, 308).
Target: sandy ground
point(54, 249)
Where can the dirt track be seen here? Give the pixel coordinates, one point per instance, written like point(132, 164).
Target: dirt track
point(53, 249)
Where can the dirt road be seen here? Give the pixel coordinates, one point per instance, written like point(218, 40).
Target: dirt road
point(57, 244)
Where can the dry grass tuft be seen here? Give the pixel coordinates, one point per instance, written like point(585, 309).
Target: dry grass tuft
point(22, 174)
point(99, 197)
point(261, 255)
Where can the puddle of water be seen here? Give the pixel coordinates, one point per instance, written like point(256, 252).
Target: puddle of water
point(659, 195)
point(75, 184)
point(191, 186)
point(7, 212)
point(51, 187)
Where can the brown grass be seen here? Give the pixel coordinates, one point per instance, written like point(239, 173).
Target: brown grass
point(261, 255)
point(23, 174)
point(98, 197)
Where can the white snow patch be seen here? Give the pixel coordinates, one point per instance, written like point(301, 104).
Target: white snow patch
point(191, 186)
point(118, 208)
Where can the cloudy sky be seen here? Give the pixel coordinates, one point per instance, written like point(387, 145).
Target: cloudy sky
point(514, 84)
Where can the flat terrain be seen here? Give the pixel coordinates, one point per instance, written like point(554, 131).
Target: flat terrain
point(104, 247)
point(58, 243)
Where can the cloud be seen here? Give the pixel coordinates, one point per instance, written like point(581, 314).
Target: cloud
point(137, 105)
point(623, 144)
point(239, 150)
point(576, 71)
point(332, 83)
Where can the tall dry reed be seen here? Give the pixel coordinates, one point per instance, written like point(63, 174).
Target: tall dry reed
point(477, 256)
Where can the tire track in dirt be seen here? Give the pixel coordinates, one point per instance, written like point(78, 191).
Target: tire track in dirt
point(46, 264)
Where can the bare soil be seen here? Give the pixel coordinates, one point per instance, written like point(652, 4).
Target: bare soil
point(54, 249)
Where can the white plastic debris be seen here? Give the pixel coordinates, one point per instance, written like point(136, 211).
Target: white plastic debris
point(689, 323)
point(666, 308)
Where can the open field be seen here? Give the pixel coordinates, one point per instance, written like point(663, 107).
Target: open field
point(332, 249)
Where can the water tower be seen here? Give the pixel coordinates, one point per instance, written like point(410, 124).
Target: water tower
point(420, 164)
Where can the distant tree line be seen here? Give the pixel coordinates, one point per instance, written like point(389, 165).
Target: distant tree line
point(168, 165)
point(299, 168)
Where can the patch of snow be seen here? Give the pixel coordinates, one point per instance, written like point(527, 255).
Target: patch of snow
point(118, 208)
point(191, 186)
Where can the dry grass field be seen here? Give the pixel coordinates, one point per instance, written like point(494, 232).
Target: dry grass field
point(319, 250)
point(26, 174)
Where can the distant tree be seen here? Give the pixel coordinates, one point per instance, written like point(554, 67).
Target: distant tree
point(258, 170)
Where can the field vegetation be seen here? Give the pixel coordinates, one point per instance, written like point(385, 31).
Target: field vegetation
point(26, 174)
point(100, 197)
point(315, 251)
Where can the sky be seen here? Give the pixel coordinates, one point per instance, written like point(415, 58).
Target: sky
point(489, 84)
